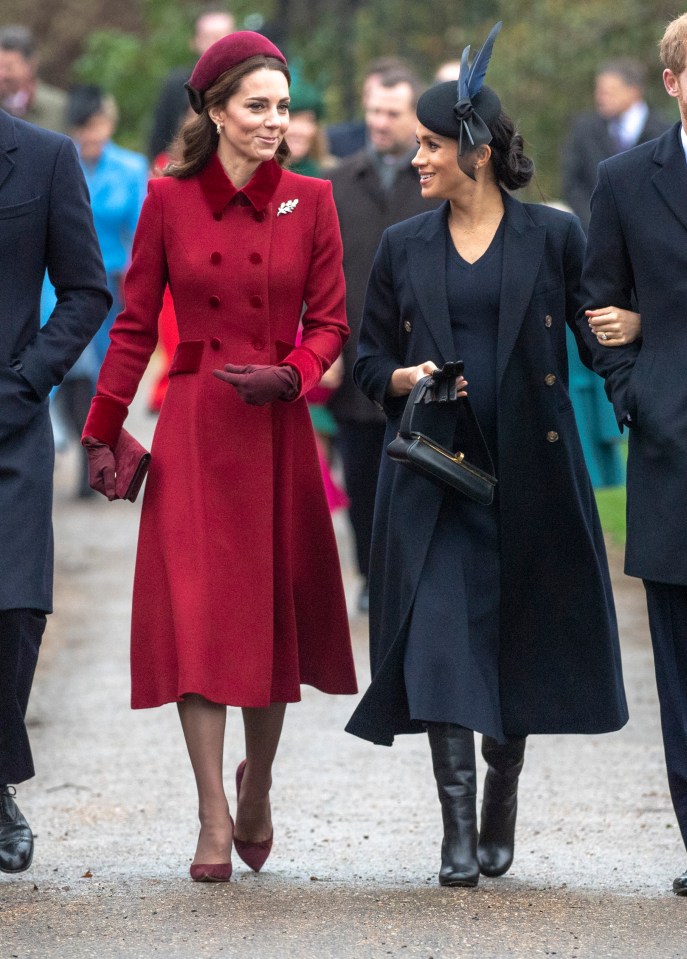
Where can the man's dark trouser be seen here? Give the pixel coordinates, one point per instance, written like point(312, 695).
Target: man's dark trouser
point(667, 606)
point(21, 631)
point(361, 446)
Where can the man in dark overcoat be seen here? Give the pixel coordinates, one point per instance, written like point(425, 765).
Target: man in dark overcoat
point(45, 223)
point(621, 120)
point(637, 258)
point(373, 189)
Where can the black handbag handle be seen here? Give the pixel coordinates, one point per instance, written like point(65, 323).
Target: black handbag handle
point(411, 422)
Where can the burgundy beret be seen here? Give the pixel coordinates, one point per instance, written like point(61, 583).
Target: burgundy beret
point(222, 56)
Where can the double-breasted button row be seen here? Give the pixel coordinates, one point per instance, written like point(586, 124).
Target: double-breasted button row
point(258, 344)
point(256, 301)
point(550, 379)
point(215, 343)
point(407, 326)
point(255, 258)
point(213, 301)
point(548, 320)
point(216, 258)
point(552, 436)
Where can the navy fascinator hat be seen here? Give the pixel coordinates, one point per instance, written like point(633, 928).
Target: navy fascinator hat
point(464, 111)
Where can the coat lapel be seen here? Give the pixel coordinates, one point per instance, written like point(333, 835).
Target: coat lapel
point(523, 248)
point(426, 253)
point(8, 143)
point(671, 178)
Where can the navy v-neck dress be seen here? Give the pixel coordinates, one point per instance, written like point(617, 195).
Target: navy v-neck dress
point(452, 650)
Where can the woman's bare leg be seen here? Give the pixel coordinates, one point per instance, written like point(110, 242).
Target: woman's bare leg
point(263, 729)
point(203, 724)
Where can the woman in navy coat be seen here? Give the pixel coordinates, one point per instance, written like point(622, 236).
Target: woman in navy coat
point(495, 619)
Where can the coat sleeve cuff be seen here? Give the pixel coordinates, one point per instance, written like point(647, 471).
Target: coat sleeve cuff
point(308, 365)
point(105, 419)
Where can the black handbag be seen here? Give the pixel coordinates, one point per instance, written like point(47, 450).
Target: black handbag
point(418, 445)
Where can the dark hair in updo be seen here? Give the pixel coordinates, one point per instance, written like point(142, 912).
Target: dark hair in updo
point(512, 168)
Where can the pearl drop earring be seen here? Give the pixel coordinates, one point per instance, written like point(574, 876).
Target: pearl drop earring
point(218, 127)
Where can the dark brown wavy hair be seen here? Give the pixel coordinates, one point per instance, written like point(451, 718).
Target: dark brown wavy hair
point(198, 137)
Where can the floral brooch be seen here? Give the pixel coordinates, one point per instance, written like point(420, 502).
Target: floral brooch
point(288, 206)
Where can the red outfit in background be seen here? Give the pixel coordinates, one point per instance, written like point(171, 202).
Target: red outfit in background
point(237, 593)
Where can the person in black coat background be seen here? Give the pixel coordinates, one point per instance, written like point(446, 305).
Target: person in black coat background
point(172, 103)
point(374, 188)
point(497, 619)
point(45, 223)
point(637, 255)
point(621, 120)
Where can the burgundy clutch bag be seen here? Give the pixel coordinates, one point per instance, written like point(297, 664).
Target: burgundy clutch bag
point(131, 465)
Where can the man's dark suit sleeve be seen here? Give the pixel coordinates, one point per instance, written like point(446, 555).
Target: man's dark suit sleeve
point(607, 280)
point(76, 271)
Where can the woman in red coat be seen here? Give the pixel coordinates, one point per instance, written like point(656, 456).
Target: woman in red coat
point(237, 595)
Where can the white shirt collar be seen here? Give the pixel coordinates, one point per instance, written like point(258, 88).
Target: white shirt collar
point(683, 137)
point(632, 122)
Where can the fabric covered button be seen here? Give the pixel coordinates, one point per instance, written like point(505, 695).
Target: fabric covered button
point(216, 257)
point(548, 320)
point(214, 301)
point(259, 216)
point(255, 258)
point(215, 343)
point(256, 301)
point(550, 379)
point(217, 215)
point(552, 436)
point(258, 344)
point(407, 326)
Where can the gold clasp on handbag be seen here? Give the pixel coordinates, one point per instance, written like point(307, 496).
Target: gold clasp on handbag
point(454, 457)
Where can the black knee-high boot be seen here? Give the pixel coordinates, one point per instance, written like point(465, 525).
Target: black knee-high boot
point(453, 758)
point(499, 804)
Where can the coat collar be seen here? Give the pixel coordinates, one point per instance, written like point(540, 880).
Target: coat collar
point(671, 178)
point(219, 190)
point(522, 253)
point(8, 143)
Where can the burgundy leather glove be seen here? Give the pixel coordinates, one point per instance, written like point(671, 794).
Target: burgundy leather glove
point(101, 467)
point(258, 385)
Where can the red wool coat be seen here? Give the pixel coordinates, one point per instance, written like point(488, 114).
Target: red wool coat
point(237, 591)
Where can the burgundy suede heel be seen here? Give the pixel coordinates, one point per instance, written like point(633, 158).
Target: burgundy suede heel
point(253, 854)
point(213, 871)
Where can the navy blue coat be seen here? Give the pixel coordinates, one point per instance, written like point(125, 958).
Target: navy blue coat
point(560, 669)
point(637, 259)
point(45, 222)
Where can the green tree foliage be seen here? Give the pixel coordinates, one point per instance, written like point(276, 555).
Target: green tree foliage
point(131, 66)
